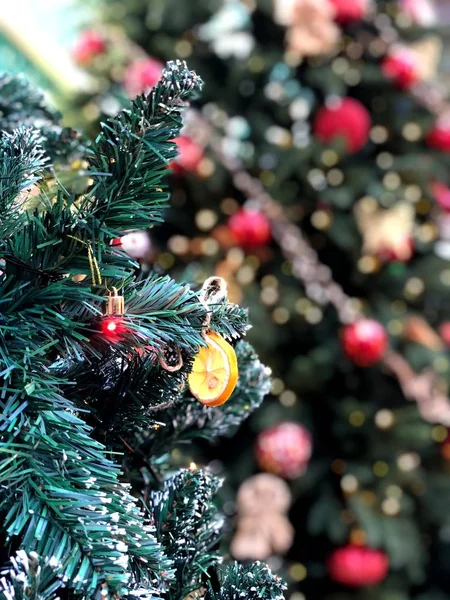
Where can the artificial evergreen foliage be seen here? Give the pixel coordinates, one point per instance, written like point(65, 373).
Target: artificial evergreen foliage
point(356, 165)
point(88, 499)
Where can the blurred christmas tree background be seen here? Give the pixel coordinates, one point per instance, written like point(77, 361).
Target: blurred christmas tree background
point(313, 175)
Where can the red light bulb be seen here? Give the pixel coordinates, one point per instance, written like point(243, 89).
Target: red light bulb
point(113, 327)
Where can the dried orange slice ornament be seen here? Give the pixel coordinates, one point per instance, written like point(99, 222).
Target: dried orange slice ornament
point(215, 372)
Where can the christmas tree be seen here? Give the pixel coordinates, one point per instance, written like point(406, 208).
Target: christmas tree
point(105, 369)
point(315, 171)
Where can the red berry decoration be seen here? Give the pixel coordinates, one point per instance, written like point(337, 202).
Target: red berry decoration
point(348, 119)
point(439, 137)
point(402, 67)
point(249, 228)
point(141, 76)
point(284, 449)
point(349, 11)
point(364, 342)
point(189, 156)
point(356, 566)
point(89, 45)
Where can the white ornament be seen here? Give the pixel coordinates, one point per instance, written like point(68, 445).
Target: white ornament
point(284, 11)
point(422, 12)
point(136, 244)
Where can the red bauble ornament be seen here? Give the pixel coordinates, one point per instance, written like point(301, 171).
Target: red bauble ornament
point(189, 156)
point(284, 449)
point(402, 68)
point(441, 193)
point(439, 137)
point(346, 118)
point(356, 566)
point(349, 11)
point(141, 76)
point(249, 228)
point(364, 342)
point(89, 44)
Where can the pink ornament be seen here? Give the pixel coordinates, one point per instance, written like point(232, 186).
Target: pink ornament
point(364, 342)
point(190, 154)
point(356, 566)
point(441, 193)
point(284, 449)
point(439, 137)
point(346, 118)
point(249, 228)
point(402, 67)
point(349, 11)
point(141, 76)
point(89, 44)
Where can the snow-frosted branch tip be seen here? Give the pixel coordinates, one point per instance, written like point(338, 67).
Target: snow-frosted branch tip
point(178, 76)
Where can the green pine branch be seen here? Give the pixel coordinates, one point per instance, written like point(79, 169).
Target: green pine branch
point(256, 579)
point(22, 164)
point(72, 396)
point(22, 105)
point(188, 526)
point(82, 522)
point(129, 158)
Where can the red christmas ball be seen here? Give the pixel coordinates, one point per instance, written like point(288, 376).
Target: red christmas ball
point(402, 68)
point(441, 193)
point(347, 118)
point(249, 228)
point(189, 156)
point(141, 76)
point(89, 44)
point(349, 11)
point(364, 342)
point(284, 449)
point(439, 137)
point(356, 566)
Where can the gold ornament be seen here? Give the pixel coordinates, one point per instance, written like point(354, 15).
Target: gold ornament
point(428, 53)
point(116, 303)
point(387, 233)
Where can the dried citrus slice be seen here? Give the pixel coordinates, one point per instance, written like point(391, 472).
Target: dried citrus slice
point(215, 371)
